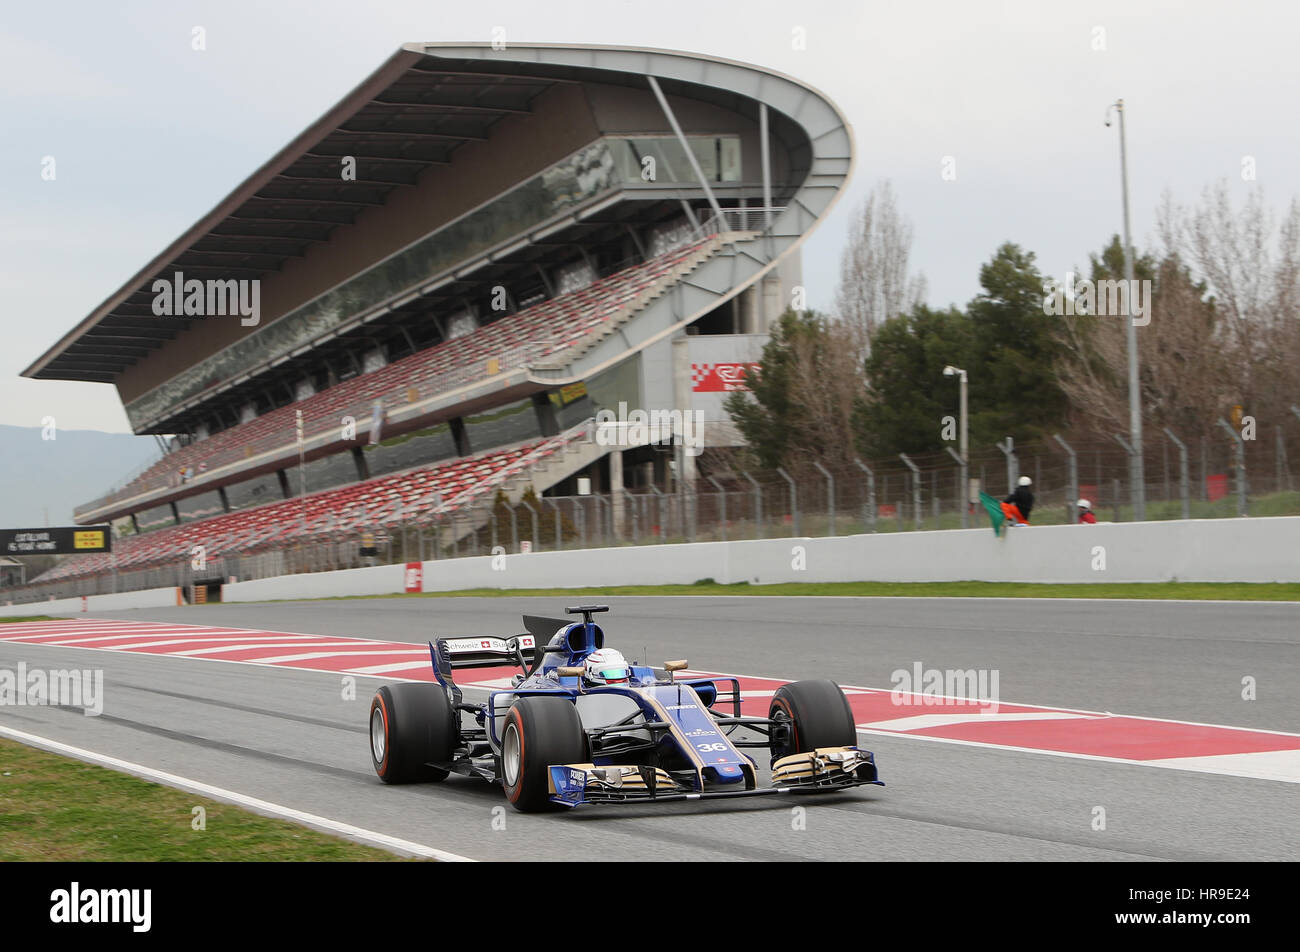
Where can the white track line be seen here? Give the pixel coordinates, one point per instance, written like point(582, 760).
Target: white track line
point(923, 721)
point(378, 669)
point(382, 840)
point(1287, 771)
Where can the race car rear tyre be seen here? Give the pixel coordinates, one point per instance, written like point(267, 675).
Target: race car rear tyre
point(810, 714)
point(411, 725)
point(539, 732)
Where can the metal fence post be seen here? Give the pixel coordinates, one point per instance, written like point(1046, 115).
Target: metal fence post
point(1164, 459)
point(1183, 489)
point(722, 505)
point(830, 492)
point(1013, 464)
point(1205, 473)
point(1071, 504)
point(533, 512)
point(758, 504)
point(870, 521)
point(660, 500)
point(580, 517)
point(962, 487)
point(636, 528)
point(916, 489)
point(1128, 448)
point(1241, 465)
point(690, 509)
point(559, 537)
point(1279, 450)
point(794, 502)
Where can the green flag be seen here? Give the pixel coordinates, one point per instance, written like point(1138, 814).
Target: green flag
point(994, 508)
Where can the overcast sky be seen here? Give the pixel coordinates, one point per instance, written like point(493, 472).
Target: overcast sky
point(148, 134)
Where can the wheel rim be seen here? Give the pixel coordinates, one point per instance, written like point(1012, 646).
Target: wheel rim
point(510, 756)
point(781, 718)
point(378, 741)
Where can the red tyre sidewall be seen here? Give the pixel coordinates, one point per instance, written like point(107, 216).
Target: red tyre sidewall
point(382, 768)
point(512, 794)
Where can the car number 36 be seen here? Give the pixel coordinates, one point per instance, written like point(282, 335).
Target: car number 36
point(707, 748)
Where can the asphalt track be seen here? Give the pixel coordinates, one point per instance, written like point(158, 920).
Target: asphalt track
point(288, 736)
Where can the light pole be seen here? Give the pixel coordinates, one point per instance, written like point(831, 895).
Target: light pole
point(951, 371)
point(1137, 469)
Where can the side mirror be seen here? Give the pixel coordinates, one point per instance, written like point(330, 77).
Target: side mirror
point(567, 672)
point(675, 665)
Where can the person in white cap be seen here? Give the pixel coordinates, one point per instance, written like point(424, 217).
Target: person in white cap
point(1017, 506)
point(1085, 512)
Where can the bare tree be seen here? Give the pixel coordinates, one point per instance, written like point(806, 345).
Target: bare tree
point(827, 383)
point(875, 283)
point(1250, 262)
point(1224, 328)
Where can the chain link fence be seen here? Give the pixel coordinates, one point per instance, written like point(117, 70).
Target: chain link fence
point(1214, 476)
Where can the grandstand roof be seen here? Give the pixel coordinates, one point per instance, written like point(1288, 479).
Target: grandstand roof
point(413, 112)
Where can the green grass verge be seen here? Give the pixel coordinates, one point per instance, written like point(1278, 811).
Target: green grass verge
point(28, 618)
point(56, 808)
point(1226, 591)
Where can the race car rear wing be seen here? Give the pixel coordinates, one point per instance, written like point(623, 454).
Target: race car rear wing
point(448, 654)
point(484, 652)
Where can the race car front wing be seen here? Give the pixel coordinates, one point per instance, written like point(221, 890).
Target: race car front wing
point(822, 769)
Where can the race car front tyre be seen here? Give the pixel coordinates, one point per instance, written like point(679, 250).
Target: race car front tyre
point(540, 732)
point(411, 726)
point(808, 715)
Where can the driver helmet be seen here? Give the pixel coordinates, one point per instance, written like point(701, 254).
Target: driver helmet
point(1084, 504)
point(1025, 481)
point(607, 666)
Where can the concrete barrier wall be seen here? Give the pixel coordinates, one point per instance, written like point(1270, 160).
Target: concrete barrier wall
point(149, 598)
point(1207, 550)
point(377, 580)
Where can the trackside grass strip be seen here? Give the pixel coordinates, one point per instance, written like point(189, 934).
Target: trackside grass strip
point(57, 808)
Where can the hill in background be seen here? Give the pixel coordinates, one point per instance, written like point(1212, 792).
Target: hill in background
point(55, 476)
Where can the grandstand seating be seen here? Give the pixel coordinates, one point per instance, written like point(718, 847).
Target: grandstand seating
point(377, 502)
point(543, 330)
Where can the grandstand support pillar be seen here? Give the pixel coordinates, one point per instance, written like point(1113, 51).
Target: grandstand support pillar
point(545, 411)
point(461, 437)
point(636, 240)
point(363, 469)
point(749, 320)
point(285, 491)
point(616, 490)
point(135, 524)
point(176, 513)
point(682, 402)
point(686, 147)
point(765, 155)
point(225, 500)
point(772, 308)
